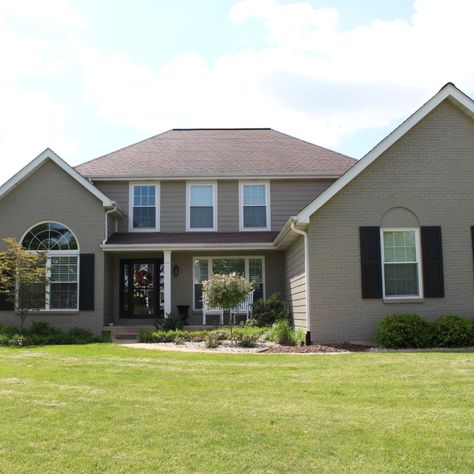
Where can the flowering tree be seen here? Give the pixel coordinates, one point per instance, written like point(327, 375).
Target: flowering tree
point(225, 291)
point(26, 272)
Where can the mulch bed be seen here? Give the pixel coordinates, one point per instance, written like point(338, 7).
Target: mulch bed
point(345, 347)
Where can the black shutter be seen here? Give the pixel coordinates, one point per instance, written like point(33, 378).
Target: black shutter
point(86, 282)
point(432, 260)
point(371, 264)
point(5, 305)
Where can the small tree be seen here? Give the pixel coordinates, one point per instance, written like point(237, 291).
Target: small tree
point(23, 277)
point(226, 291)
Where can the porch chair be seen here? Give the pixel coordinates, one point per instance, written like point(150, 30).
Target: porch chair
point(244, 308)
point(207, 310)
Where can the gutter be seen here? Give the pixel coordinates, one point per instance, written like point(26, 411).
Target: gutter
point(106, 227)
point(306, 277)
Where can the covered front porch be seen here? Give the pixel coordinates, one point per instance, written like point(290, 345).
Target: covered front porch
point(142, 286)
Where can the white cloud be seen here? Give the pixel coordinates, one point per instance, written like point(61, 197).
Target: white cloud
point(313, 79)
point(58, 12)
point(30, 118)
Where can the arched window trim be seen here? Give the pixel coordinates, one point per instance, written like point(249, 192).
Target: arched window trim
point(75, 251)
point(53, 286)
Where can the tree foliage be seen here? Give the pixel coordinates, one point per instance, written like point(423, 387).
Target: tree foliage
point(225, 290)
point(23, 278)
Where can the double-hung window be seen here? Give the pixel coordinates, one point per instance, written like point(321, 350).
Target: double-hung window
point(401, 263)
point(255, 206)
point(252, 268)
point(201, 206)
point(144, 207)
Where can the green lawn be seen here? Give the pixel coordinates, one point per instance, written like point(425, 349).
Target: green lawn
point(104, 408)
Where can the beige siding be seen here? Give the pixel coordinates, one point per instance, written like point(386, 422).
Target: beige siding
point(50, 194)
point(228, 206)
point(287, 197)
point(173, 206)
point(428, 171)
point(295, 282)
point(118, 192)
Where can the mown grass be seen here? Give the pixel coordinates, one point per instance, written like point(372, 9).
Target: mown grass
point(103, 408)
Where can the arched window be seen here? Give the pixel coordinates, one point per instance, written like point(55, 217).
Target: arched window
point(401, 256)
point(62, 251)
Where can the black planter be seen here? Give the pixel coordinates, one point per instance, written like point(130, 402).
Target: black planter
point(183, 310)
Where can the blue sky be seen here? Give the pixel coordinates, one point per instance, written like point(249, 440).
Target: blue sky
point(87, 77)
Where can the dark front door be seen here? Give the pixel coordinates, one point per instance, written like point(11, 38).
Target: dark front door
point(141, 289)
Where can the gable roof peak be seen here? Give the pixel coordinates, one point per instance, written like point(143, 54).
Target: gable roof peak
point(448, 91)
point(49, 154)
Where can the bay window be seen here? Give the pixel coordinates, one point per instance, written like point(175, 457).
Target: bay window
point(252, 268)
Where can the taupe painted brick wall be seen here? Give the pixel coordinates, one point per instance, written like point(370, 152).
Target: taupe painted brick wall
point(429, 171)
point(50, 194)
point(288, 197)
point(295, 282)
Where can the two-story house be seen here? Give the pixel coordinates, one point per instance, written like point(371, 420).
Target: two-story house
point(131, 235)
point(148, 223)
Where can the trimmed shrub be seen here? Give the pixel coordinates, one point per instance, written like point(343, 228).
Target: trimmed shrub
point(403, 330)
point(282, 333)
point(452, 330)
point(252, 331)
point(269, 311)
point(161, 335)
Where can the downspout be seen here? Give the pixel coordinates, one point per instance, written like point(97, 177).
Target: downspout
point(107, 223)
point(306, 277)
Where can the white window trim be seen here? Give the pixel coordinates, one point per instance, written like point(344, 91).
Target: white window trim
point(241, 206)
point(247, 267)
point(131, 206)
point(418, 262)
point(47, 300)
point(189, 185)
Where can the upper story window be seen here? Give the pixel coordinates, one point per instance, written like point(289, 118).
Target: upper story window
point(62, 252)
point(255, 206)
point(201, 206)
point(144, 207)
point(401, 263)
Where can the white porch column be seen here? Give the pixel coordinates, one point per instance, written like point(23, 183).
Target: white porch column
point(167, 280)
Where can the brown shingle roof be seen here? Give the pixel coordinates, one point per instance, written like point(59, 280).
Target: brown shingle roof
point(131, 238)
point(219, 153)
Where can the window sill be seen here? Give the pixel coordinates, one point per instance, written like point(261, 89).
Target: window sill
point(403, 300)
